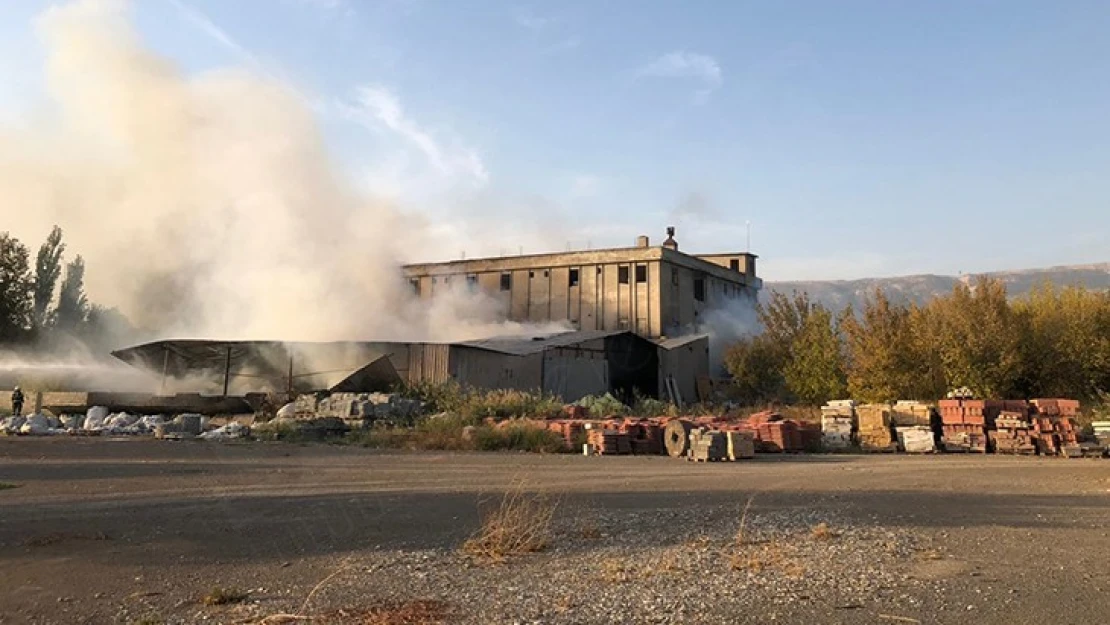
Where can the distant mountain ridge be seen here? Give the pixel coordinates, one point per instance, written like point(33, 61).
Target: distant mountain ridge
point(838, 294)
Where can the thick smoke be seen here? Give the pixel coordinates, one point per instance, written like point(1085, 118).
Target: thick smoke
point(208, 206)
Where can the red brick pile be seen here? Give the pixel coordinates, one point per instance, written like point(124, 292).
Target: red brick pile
point(964, 423)
point(1055, 426)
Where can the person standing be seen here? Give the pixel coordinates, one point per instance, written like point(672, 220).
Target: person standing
point(17, 402)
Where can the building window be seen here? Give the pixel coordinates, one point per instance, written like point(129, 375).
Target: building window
point(506, 282)
point(531, 274)
point(573, 279)
point(415, 283)
point(599, 271)
point(622, 274)
point(472, 282)
point(641, 273)
point(434, 280)
point(734, 264)
point(699, 289)
point(546, 273)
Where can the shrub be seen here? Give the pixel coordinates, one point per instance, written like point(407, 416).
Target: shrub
point(650, 407)
point(601, 406)
point(478, 404)
point(521, 524)
point(518, 437)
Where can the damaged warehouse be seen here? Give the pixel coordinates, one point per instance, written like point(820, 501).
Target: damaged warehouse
point(570, 365)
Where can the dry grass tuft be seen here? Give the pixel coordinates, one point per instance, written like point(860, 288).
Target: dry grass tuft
point(768, 557)
point(224, 596)
point(521, 524)
point(613, 571)
point(589, 530)
point(821, 531)
point(418, 612)
point(740, 538)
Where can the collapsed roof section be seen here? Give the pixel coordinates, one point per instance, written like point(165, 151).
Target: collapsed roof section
point(570, 364)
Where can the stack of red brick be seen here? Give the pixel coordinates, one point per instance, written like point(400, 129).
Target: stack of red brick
point(1055, 426)
point(964, 423)
point(773, 433)
point(608, 442)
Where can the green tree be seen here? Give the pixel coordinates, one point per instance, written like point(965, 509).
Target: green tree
point(73, 306)
point(16, 289)
point(814, 372)
point(979, 336)
point(796, 357)
point(1066, 347)
point(48, 268)
point(886, 355)
point(755, 368)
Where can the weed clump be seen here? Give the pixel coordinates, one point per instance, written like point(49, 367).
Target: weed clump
point(224, 596)
point(821, 531)
point(521, 524)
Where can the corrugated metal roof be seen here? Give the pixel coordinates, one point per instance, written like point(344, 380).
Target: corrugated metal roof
point(535, 344)
point(675, 342)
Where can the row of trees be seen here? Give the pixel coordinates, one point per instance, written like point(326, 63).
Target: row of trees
point(34, 307)
point(1053, 342)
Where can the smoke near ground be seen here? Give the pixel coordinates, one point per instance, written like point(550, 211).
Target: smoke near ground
point(208, 205)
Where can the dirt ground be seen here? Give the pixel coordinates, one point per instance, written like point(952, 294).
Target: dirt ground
point(138, 531)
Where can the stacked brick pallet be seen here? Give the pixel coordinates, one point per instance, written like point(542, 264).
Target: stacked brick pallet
point(838, 424)
point(1102, 433)
point(741, 445)
point(606, 442)
point(707, 446)
point(875, 432)
point(774, 434)
point(1055, 426)
point(1013, 431)
point(964, 423)
point(913, 430)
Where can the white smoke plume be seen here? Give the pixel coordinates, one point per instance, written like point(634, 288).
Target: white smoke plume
point(728, 324)
point(208, 205)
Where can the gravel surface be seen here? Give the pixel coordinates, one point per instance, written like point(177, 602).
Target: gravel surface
point(132, 532)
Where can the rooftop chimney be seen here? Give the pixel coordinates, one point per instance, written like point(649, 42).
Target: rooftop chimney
point(670, 242)
point(643, 241)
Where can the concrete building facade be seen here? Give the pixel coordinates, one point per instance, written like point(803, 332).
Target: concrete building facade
point(652, 291)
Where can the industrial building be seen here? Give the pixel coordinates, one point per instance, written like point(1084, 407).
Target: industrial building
point(570, 365)
point(638, 316)
point(655, 292)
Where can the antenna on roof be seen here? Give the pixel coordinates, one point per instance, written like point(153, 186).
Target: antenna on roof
point(568, 246)
point(464, 254)
point(749, 225)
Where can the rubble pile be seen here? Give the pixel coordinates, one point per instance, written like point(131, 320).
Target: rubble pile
point(875, 432)
point(838, 424)
point(359, 409)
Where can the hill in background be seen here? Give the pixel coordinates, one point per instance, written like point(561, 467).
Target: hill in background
point(837, 294)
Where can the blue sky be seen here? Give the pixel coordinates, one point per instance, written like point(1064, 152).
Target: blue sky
point(859, 138)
